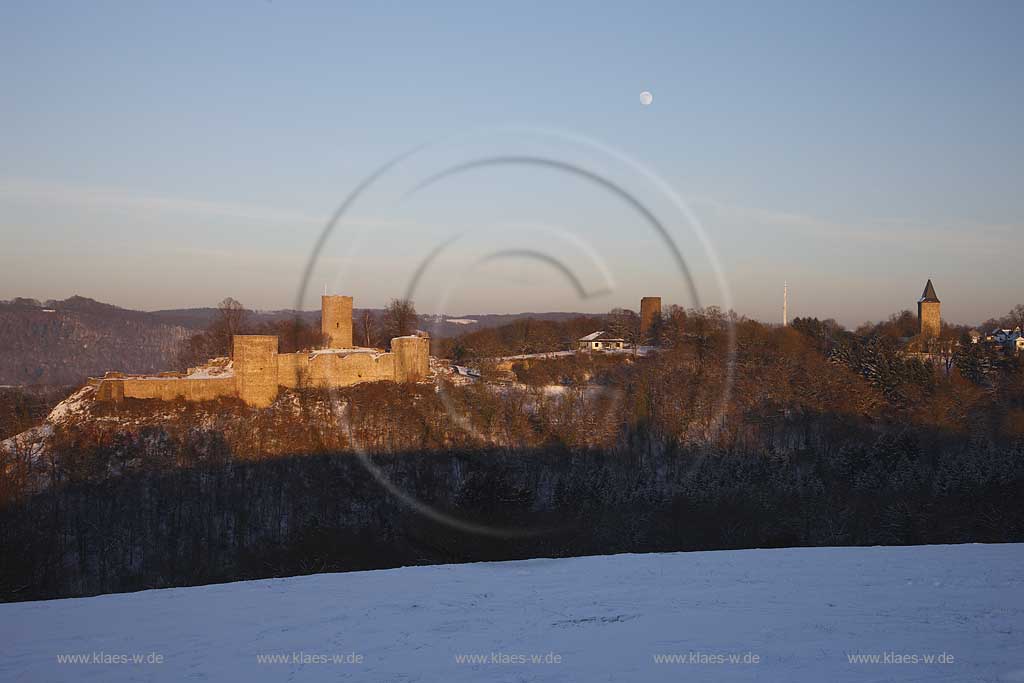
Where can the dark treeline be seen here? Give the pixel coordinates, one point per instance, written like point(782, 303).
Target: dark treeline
point(314, 513)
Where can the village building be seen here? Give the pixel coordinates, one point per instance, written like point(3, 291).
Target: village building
point(1010, 340)
point(600, 341)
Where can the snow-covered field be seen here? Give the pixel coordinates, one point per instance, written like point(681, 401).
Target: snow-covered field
point(784, 615)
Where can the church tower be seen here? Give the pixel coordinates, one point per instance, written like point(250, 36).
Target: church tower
point(929, 320)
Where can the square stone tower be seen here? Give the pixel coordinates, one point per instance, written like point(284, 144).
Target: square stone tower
point(929, 319)
point(336, 321)
point(255, 365)
point(650, 315)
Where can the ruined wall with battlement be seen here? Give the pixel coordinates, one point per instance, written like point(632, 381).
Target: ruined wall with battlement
point(327, 369)
point(116, 387)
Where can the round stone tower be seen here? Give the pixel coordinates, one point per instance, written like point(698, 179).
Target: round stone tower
point(412, 358)
point(336, 321)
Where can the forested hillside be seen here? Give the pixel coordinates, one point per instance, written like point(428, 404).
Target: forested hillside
point(63, 342)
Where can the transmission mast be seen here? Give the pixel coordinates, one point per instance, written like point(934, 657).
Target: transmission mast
point(785, 303)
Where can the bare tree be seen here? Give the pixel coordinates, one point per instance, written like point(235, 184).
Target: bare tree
point(400, 318)
point(1016, 316)
point(197, 349)
point(673, 332)
point(229, 321)
point(368, 327)
point(625, 324)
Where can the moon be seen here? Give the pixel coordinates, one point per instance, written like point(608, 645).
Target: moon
point(646, 98)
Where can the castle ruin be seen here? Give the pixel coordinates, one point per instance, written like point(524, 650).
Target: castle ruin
point(258, 372)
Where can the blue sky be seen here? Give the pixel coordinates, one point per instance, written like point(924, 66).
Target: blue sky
point(170, 154)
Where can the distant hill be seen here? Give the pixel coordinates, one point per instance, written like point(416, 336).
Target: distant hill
point(436, 325)
point(64, 342)
point(200, 318)
point(450, 326)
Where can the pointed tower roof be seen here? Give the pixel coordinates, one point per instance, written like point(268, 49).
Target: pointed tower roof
point(929, 293)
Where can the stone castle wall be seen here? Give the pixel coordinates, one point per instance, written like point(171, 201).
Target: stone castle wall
point(335, 370)
point(164, 388)
point(292, 370)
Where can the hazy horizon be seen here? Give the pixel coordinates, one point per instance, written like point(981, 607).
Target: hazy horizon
point(469, 314)
point(168, 156)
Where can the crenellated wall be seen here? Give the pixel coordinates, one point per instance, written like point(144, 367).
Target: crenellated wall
point(164, 388)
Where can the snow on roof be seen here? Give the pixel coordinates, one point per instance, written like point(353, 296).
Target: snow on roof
point(600, 335)
point(465, 371)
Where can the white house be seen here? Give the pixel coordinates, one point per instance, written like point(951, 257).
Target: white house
point(600, 341)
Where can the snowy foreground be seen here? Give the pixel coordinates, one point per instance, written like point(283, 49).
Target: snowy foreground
point(786, 615)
